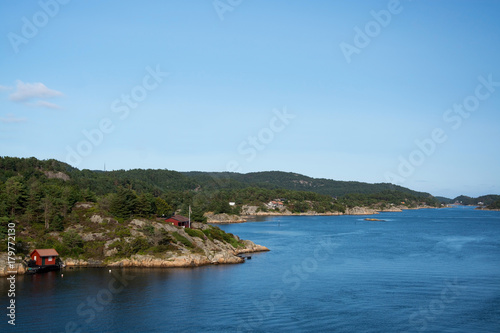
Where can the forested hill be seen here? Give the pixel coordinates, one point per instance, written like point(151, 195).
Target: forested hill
point(152, 181)
point(46, 190)
point(294, 181)
point(48, 196)
point(158, 182)
point(485, 200)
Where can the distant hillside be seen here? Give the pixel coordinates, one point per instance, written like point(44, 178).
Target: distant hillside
point(51, 202)
point(294, 181)
point(494, 205)
point(445, 200)
point(484, 199)
point(45, 191)
point(161, 181)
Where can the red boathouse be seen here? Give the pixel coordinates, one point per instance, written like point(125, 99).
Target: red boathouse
point(179, 220)
point(44, 257)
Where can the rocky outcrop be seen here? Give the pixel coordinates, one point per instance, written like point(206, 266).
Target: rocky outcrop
point(188, 260)
point(5, 269)
point(223, 218)
point(69, 262)
point(57, 175)
point(251, 247)
point(392, 209)
point(199, 249)
point(84, 205)
point(214, 253)
point(360, 211)
point(488, 209)
point(247, 210)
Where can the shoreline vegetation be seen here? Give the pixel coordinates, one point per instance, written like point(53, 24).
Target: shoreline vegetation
point(200, 245)
point(117, 218)
point(232, 218)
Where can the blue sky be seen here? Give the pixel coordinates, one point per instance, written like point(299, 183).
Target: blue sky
point(258, 85)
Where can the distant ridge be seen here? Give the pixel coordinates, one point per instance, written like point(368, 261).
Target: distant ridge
point(163, 180)
point(293, 181)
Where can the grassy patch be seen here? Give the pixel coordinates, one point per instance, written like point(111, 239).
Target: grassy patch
point(138, 245)
point(195, 233)
point(121, 231)
point(93, 250)
point(219, 234)
point(183, 240)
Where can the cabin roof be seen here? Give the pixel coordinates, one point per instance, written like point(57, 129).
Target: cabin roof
point(179, 218)
point(46, 252)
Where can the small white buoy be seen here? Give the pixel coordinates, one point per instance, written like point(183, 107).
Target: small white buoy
point(110, 271)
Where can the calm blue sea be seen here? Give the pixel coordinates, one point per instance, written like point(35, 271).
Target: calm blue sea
point(419, 271)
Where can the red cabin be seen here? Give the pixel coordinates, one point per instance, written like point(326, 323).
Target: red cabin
point(179, 220)
point(44, 257)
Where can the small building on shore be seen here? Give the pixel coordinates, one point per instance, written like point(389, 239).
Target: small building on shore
point(179, 221)
point(44, 257)
point(275, 204)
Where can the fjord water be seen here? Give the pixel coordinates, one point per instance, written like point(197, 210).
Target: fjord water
point(419, 270)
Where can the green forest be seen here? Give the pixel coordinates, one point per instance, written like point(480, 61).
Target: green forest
point(42, 195)
point(494, 205)
point(486, 200)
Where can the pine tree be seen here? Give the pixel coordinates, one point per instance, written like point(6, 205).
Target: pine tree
point(16, 195)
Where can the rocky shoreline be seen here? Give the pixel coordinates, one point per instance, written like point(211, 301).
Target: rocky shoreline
point(488, 209)
point(251, 212)
point(149, 261)
point(210, 252)
point(199, 251)
point(227, 256)
point(5, 270)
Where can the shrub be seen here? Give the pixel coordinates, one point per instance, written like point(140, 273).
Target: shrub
point(127, 249)
point(195, 233)
point(183, 240)
point(72, 244)
point(139, 244)
point(162, 248)
point(219, 234)
point(122, 232)
point(148, 229)
point(94, 249)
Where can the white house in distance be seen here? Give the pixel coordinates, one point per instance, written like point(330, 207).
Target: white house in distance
point(275, 204)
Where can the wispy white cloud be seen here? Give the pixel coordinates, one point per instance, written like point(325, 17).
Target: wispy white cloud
point(28, 91)
point(32, 94)
point(10, 118)
point(44, 104)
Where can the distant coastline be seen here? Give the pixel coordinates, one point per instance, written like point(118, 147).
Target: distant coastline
point(250, 213)
point(488, 209)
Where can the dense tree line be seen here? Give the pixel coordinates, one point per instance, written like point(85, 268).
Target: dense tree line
point(485, 199)
point(293, 181)
point(387, 197)
point(42, 195)
point(494, 205)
